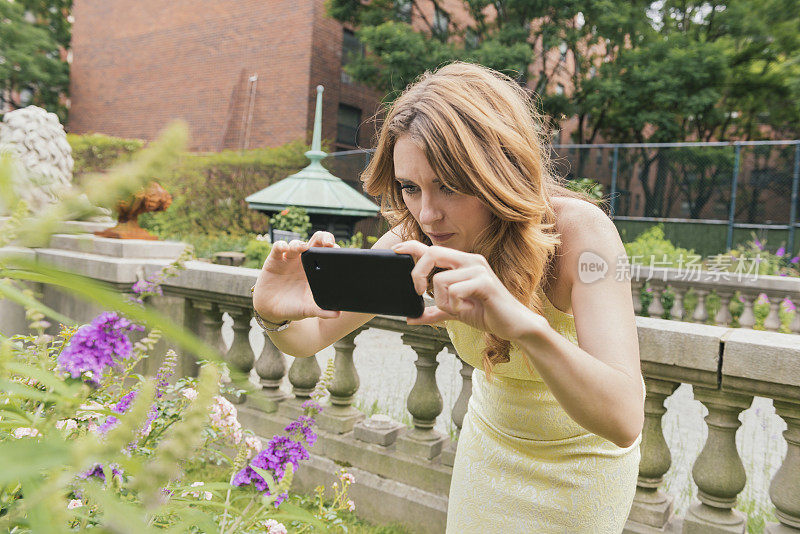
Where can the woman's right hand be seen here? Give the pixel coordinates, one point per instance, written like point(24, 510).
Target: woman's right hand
point(282, 292)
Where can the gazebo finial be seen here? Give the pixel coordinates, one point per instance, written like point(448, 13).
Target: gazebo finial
point(316, 154)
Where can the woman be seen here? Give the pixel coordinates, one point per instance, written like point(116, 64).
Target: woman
point(550, 441)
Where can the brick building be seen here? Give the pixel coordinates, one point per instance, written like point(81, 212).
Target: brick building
point(241, 74)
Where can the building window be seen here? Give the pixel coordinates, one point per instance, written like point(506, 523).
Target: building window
point(347, 123)
point(559, 89)
point(441, 21)
point(351, 49)
point(403, 9)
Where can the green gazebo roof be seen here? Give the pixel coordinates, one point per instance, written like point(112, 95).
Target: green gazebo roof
point(314, 188)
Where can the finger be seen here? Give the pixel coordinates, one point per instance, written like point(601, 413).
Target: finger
point(279, 248)
point(432, 314)
point(295, 248)
point(412, 247)
point(462, 294)
point(322, 239)
point(434, 257)
point(443, 280)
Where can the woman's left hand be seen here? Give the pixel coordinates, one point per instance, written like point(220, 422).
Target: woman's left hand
point(469, 291)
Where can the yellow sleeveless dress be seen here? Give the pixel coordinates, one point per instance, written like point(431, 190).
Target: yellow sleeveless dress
point(522, 464)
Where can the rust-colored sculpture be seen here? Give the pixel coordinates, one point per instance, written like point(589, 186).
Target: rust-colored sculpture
point(153, 198)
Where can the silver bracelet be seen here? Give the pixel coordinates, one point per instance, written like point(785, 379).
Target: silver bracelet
point(268, 326)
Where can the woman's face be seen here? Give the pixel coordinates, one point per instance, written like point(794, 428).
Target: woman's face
point(450, 219)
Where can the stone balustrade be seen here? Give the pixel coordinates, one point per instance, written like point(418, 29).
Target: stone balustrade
point(726, 286)
point(403, 473)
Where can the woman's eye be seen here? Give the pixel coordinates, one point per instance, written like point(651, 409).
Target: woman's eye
point(408, 188)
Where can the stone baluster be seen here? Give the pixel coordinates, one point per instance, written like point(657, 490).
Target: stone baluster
point(425, 401)
point(748, 317)
point(700, 314)
point(772, 321)
point(656, 308)
point(784, 490)
point(341, 415)
point(304, 374)
point(651, 506)
point(209, 327)
point(271, 368)
point(459, 408)
point(794, 327)
point(676, 312)
point(718, 470)
point(723, 316)
point(636, 288)
point(240, 354)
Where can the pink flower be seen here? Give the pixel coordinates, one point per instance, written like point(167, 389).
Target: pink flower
point(23, 432)
point(351, 505)
point(67, 424)
point(348, 478)
point(207, 495)
point(273, 527)
point(189, 393)
point(74, 503)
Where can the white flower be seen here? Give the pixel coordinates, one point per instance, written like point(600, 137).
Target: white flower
point(207, 495)
point(273, 527)
point(89, 411)
point(351, 505)
point(189, 393)
point(23, 431)
point(67, 424)
point(253, 442)
point(74, 503)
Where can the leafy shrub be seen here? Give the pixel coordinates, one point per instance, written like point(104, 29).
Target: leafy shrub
point(256, 252)
point(292, 219)
point(95, 153)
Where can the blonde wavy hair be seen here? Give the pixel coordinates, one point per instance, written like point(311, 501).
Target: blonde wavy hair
point(482, 136)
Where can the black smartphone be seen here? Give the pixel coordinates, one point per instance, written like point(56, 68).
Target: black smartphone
point(362, 280)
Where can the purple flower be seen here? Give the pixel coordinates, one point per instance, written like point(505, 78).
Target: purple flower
point(311, 405)
point(165, 372)
point(97, 471)
point(148, 286)
point(795, 260)
point(279, 452)
point(94, 347)
point(301, 430)
point(781, 251)
point(120, 407)
point(759, 245)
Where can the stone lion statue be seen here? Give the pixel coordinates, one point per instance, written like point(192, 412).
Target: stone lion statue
point(43, 170)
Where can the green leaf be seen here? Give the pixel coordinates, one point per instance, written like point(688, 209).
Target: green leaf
point(25, 457)
point(12, 293)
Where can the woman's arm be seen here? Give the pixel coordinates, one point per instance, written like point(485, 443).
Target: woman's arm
point(599, 383)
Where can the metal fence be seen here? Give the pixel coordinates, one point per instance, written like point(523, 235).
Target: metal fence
point(743, 184)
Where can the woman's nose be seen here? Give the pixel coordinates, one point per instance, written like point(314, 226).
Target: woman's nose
point(430, 212)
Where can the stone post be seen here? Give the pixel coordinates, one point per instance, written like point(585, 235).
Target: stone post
point(425, 401)
point(304, 374)
point(340, 416)
point(651, 506)
point(271, 368)
point(718, 471)
point(784, 491)
point(459, 409)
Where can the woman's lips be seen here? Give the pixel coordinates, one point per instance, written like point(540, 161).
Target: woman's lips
point(440, 237)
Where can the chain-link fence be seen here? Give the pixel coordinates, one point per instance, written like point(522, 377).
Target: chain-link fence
point(739, 185)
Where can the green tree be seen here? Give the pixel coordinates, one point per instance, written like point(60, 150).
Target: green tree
point(32, 37)
point(507, 36)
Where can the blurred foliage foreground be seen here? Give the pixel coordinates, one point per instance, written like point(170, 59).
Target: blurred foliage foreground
point(86, 442)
